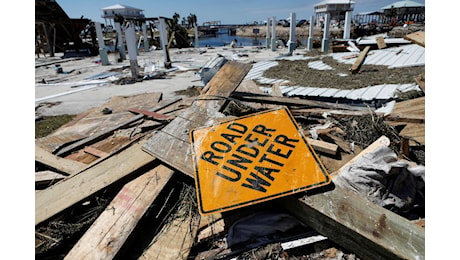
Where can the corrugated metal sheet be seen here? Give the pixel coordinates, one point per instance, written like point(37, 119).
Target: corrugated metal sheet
point(383, 92)
point(319, 65)
point(396, 57)
point(258, 69)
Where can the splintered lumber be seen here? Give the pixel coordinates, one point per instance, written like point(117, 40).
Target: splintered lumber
point(381, 42)
point(79, 186)
point(63, 165)
point(111, 229)
point(46, 177)
point(324, 147)
point(175, 239)
point(172, 143)
point(359, 61)
point(416, 37)
point(93, 138)
point(151, 114)
point(287, 101)
point(359, 225)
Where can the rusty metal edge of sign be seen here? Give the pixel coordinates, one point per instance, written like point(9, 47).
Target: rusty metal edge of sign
point(278, 195)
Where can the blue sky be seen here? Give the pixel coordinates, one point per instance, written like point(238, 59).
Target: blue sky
point(228, 12)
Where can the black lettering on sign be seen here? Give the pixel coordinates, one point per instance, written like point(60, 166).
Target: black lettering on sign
point(210, 156)
point(261, 129)
point(221, 147)
point(239, 161)
point(257, 183)
point(237, 127)
point(248, 150)
point(236, 174)
point(284, 140)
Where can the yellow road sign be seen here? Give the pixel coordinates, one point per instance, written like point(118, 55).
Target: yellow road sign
point(253, 159)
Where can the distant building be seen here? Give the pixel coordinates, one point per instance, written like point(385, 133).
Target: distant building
point(123, 10)
point(405, 11)
point(335, 8)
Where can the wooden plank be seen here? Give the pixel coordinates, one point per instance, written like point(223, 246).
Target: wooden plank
point(357, 224)
point(416, 37)
point(47, 177)
point(96, 152)
point(151, 114)
point(111, 229)
point(420, 80)
point(325, 147)
point(172, 144)
point(60, 164)
point(66, 193)
point(93, 138)
point(381, 42)
point(288, 101)
point(175, 240)
point(359, 61)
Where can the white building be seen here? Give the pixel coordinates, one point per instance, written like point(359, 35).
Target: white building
point(126, 11)
point(335, 8)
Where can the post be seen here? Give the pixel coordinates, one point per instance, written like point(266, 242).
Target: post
point(267, 37)
point(146, 38)
point(121, 46)
point(325, 42)
point(164, 42)
point(197, 43)
point(310, 33)
point(292, 38)
point(273, 41)
point(346, 29)
point(132, 50)
point(100, 41)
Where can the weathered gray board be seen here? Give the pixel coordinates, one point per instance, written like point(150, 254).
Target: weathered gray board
point(172, 144)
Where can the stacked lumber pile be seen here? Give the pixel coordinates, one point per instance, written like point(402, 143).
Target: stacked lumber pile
point(122, 185)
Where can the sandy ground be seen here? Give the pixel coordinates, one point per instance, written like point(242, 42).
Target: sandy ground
point(73, 93)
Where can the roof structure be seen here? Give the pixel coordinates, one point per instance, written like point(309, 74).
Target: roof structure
point(404, 3)
point(119, 6)
point(327, 2)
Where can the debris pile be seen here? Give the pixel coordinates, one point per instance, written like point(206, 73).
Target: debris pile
point(234, 173)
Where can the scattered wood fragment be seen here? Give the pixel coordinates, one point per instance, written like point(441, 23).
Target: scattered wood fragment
point(63, 165)
point(360, 60)
point(111, 229)
point(93, 151)
point(91, 139)
point(77, 187)
point(416, 37)
point(288, 101)
point(322, 146)
point(276, 91)
point(381, 42)
point(420, 80)
point(154, 115)
point(47, 177)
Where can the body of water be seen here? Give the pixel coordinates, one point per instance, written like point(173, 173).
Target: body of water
point(224, 39)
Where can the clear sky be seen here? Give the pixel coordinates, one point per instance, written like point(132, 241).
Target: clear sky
point(228, 12)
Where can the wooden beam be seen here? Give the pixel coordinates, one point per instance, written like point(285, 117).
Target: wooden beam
point(324, 147)
point(111, 229)
point(289, 101)
point(96, 152)
point(47, 177)
point(359, 61)
point(151, 114)
point(66, 193)
point(172, 144)
point(63, 165)
point(357, 224)
point(91, 139)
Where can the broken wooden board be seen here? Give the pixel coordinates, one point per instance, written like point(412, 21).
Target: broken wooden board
point(381, 42)
point(358, 224)
point(111, 229)
point(324, 147)
point(66, 166)
point(289, 101)
point(416, 37)
point(360, 60)
point(107, 131)
point(93, 121)
point(47, 177)
point(77, 187)
point(172, 143)
point(175, 239)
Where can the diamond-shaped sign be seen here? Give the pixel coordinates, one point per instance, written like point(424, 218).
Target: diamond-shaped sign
point(253, 159)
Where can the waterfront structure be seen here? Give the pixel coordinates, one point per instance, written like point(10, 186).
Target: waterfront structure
point(110, 12)
point(404, 11)
point(336, 9)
